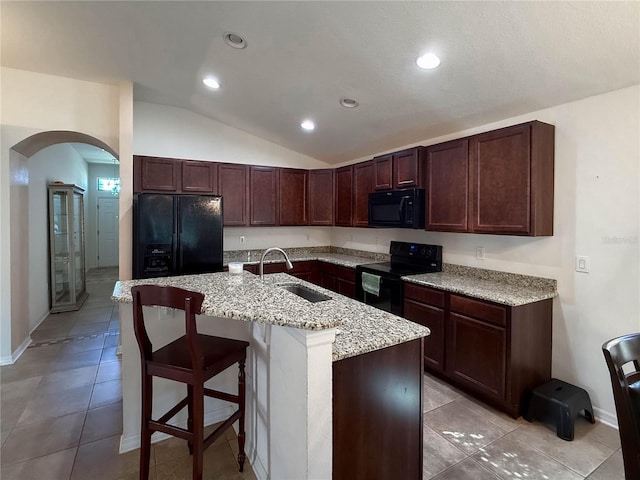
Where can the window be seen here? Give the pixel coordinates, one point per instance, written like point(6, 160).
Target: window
point(111, 185)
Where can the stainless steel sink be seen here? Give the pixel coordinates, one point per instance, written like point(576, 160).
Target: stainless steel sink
point(304, 292)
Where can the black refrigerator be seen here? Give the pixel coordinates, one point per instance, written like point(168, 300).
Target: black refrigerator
point(176, 234)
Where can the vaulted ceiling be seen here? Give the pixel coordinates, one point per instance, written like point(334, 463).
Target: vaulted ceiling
point(499, 59)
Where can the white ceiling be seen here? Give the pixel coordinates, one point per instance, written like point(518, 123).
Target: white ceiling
point(499, 59)
point(92, 154)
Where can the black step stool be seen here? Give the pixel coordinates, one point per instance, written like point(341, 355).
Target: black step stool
point(560, 403)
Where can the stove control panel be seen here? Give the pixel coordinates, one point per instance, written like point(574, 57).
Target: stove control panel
point(416, 251)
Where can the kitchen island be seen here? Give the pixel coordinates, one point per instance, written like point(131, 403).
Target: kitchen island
point(334, 388)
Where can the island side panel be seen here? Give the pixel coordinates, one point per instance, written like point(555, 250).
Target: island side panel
point(164, 326)
point(377, 414)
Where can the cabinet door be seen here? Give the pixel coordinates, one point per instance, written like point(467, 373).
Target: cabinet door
point(160, 174)
point(293, 196)
point(363, 184)
point(263, 194)
point(232, 185)
point(447, 183)
point(500, 163)
point(477, 355)
point(433, 318)
point(321, 197)
point(383, 172)
point(344, 194)
point(346, 281)
point(407, 168)
point(307, 270)
point(199, 177)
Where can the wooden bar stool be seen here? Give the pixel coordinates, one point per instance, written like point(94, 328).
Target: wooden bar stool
point(192, 359)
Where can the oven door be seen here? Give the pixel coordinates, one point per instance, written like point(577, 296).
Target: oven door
point(390, 294)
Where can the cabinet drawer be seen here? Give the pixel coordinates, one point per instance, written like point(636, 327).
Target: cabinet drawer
point(346, 273)
point(424, 295)
point(301, 267)
point(478, 309)
point(328, 268)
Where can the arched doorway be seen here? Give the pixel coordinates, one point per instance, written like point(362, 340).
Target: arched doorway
point(26, 269)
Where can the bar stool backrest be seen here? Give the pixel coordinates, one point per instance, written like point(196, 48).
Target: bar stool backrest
point(170, 297)
point(619, 352)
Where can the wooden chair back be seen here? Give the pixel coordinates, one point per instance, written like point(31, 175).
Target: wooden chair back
point(169, 297)
point(619, 352)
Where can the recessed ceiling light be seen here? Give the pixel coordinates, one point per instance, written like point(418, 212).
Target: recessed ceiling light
point(211, 82)
point(428, 61)
point(348, 102)
point(308, 125)
point(234, 40)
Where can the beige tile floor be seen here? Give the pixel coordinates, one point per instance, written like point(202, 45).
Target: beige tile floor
point(61, 418)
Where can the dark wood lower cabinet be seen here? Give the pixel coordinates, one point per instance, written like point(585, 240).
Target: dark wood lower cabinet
point(477, 355)
point(337, 279)
point(497, 352)
point(346, 281)
point(377, 414)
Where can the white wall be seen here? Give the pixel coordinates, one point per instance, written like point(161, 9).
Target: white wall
point(32, 103)
point(164, 131)
point(597, 210)
point(62, 163)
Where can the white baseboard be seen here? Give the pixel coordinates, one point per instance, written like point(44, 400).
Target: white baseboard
point(11, 359)
point(608, 418)
point(39, 322)
point(258, 468)
point(132, 442)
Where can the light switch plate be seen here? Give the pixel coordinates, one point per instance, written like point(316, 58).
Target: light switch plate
point(480, 253)
point(582, 264)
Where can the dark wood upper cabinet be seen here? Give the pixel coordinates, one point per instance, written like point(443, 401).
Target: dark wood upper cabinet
point(363, 184)
point(293, 196)
point(344, 196)
point(447, 185)
point(383, 170)
point(159, 174)
point(263, 191)
point(407, 168)
point(399, 170)
point(511, 188)
point(199, 177)
point(321, 197)
point(232, 185)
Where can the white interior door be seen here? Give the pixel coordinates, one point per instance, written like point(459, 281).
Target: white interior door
point(107, 232)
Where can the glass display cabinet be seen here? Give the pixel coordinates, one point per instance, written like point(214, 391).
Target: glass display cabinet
point(67, 284)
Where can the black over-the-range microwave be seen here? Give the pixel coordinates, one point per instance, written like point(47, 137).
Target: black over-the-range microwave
point(397, 208)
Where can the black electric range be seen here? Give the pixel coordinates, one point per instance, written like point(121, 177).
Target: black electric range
point(383, 287)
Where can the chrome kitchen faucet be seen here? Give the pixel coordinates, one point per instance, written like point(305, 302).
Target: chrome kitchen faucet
point(286, 257)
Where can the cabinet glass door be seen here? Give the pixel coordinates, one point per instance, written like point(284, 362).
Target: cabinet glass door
point(61, 261)
point(78, 246)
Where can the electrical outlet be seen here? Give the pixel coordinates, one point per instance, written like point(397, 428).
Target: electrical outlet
point(241, 238)
point(480, 253)
point(582, 264)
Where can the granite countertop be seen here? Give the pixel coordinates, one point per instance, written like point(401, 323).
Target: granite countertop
point(361, 328)
point(499, 287)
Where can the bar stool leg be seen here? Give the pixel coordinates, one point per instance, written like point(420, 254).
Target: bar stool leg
point(198, 428)
point(241, 402)
point(145, 432)
point(190, 419)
